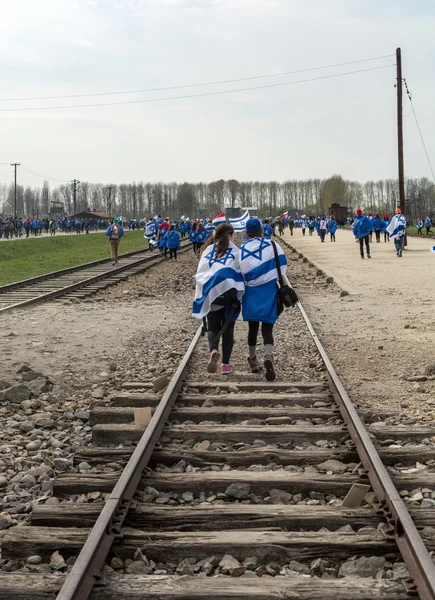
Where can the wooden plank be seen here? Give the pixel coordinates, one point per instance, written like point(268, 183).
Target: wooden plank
point(163, 546)
point(407, 455)
point(135, 385)
point(252, 386)
point(223, 516)
point(217, 481)
point(115, 434)
point(133, 399)
point(25, 586)
point(256, 399)
point(229, 414)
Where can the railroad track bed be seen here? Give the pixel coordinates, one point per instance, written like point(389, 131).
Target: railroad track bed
point(77, 283)
point(243, 496)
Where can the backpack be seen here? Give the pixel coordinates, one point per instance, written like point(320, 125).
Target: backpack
point(115, 233)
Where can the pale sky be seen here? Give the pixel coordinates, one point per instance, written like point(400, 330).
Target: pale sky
point(343, 125)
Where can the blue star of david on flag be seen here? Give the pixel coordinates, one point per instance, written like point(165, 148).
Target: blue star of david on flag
point(258, 253)
point(222, 260)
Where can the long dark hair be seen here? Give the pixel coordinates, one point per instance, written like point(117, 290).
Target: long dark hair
point(221, 238)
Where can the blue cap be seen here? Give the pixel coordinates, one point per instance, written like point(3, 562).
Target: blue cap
point(254, 225)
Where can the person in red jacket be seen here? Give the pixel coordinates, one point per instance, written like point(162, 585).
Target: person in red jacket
point(165, 224)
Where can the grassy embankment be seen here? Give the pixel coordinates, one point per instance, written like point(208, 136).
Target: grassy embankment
point(21, 259)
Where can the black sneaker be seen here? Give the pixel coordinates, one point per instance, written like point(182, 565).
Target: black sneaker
point(270, 370)
point(254, 365)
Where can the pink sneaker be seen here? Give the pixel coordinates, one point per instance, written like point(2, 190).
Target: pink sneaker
point(226, 369)
point(213, 361)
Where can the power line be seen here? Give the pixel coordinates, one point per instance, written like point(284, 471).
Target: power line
point(202, 95)
point(179, 87)
point(419, 129)
point(43, 176)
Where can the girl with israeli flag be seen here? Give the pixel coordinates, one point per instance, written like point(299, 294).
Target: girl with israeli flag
point(397, 231)
point(260, 302)
point(150, 233)
point(219, 290)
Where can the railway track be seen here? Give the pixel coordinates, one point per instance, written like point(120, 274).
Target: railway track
point(77, 282)
point(230, 493)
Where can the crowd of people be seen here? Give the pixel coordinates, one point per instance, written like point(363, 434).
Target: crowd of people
point(16, 228)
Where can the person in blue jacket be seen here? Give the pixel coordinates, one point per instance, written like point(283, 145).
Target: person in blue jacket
point(362, 228)
point(385, 223)
point(115, 233)
point(173, 242)
point(161, 239)
point(182, 228)
point(35, 226)
point(377, 227)
point(194, 237)
point(267, 230)
point(419, 226)
point(331, 226)
point(260, 301)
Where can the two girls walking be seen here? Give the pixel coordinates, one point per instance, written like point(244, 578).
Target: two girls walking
point(227, 278)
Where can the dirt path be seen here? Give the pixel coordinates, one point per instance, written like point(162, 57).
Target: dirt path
point(384, 331)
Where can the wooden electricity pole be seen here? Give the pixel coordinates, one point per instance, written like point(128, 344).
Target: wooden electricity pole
point(399, 86)
point(75, 182)
point(15, 165)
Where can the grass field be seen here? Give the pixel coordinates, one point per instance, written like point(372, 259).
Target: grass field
point(21, 259)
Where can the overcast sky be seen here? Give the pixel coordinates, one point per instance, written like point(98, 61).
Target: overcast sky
point(343, 125)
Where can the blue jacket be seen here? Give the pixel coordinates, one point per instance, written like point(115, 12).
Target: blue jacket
point(377, 224)
point(267, 231)
point(385, 224)
point(109, 231)
point(332, 226)
point(172, 239)
point(362, 226)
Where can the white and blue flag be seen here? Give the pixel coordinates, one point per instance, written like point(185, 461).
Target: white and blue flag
point(150, 230)
point(239, 224)
point(257, 261)
point(397, 227)
point(214, 277)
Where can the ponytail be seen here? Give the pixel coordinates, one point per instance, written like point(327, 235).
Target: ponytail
point(221, 238)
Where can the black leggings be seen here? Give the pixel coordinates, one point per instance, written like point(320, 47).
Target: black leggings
point(266, 332)
point(215, 320)
point(365, 240)
point(173, 253)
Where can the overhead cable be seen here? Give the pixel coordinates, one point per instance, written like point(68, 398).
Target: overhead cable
point(201, 95)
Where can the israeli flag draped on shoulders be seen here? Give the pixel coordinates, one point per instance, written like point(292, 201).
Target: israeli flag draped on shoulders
point(214, 277)
point(257, 261)
point(150, 229)
point(397, 226)
point(239, 224)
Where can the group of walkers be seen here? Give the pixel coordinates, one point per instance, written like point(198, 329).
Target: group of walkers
point(364, 225)
point(164, 235)
point(16, 228)
point(427, 225)
point(230, 280)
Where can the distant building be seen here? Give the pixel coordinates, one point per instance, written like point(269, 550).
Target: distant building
point(340, 213)
point(90, 214)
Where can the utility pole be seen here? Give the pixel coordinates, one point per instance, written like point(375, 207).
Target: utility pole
point(109, 188)
point(15, 165)
point(75, 182)
point(399, 87)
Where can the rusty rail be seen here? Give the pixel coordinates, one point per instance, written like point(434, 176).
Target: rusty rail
point(391, 507)
point(87, 568)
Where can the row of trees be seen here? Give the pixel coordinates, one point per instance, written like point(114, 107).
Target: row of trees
point(137, 200)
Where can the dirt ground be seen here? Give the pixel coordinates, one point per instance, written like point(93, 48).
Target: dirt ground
point(382, 332)
point(75, 343)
